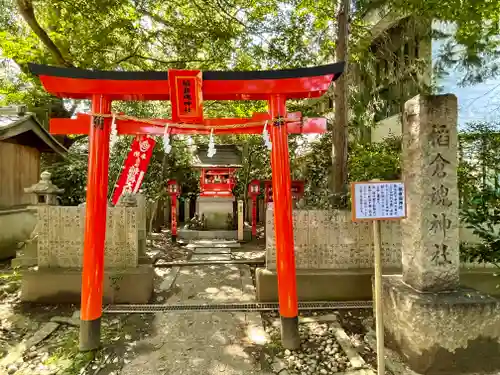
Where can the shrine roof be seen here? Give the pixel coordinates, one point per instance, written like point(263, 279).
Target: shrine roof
point(217, 85)
point(226, 156)
point(20, 127)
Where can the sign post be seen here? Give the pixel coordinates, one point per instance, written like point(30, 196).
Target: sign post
point(240, 220)
point(376, 201)
point(254, 191)
point(173, 191)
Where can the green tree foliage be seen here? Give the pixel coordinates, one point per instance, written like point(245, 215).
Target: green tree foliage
point(482, 216)
point(479, 189)
point(469, 29)
point(479, 160)
point(214, 34)
point(366, 162)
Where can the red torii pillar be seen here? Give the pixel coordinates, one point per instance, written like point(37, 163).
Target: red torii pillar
point(283, 224)
point(95, 221)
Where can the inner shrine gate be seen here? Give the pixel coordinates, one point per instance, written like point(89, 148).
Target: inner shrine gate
point(186, 89)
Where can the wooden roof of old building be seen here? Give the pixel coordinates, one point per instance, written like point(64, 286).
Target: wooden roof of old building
point(21, 127)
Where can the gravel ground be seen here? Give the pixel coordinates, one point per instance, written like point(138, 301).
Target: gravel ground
point(320, 353)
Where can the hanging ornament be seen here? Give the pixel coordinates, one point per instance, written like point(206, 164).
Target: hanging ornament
point(166, 141)
point(211, 145)
point(113, 136)
point(265, 136)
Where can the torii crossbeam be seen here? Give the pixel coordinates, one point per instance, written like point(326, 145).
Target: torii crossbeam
point(186, 90)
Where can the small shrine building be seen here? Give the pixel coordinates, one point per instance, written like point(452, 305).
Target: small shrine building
point(216, 201)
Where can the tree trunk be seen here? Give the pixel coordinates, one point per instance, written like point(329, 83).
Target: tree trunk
point(152, 217)
point(27, 11)
point(159, 216)
point(340, 128)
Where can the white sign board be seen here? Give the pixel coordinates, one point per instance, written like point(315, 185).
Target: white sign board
point(381, 200)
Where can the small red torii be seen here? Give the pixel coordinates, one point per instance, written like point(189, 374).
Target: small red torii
point(186, 89)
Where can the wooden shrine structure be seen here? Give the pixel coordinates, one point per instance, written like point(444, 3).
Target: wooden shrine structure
point(217, 173)
point(186, 89)
point(216, 202)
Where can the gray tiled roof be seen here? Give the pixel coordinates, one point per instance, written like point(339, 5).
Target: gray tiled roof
point(226, 155)
point(7, 119)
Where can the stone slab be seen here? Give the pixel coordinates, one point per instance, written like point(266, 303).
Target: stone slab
point(169, 279)
point(52, 285)
point(319, 285)
point(345, 343)
point(198, 257)
point(212, 250)
point(16, 353)
point(60, 237)
point(339, 285)
point(188, 234)
point(442, 333)
point(216, 242)
point(310, 319)
point(330, 240)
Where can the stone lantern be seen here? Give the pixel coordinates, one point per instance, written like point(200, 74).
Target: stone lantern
point(44, 192)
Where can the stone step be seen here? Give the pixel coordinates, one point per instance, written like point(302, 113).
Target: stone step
point(197, 257)
point(212, 245)
point(212, 250)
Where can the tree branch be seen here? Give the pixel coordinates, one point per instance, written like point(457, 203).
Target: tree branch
point(27, 12)
point(168, 62)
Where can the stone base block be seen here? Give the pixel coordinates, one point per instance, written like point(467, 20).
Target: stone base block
point(442, 333)
point(319, 285)
point(56, 285)
point(17, 226)
point(354, 284)
point(188, 234)
point(215, 211)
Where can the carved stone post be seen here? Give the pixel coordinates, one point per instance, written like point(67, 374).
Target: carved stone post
point(431, 232)
point(439, 327)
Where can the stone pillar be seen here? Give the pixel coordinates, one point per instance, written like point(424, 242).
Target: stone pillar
point(142, 225)
point(430, 251)
point(437, 326)
point(186, 210)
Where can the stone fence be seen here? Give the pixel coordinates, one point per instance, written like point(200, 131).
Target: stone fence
point(330, 240)
point(61, 231)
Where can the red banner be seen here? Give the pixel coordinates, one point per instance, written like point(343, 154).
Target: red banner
point(135, 167)
point(173, 220)
point(186, 95)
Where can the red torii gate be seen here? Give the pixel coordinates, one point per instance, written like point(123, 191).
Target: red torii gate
point(186, 89)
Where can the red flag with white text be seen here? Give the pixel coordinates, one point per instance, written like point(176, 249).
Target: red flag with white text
point(136, 166)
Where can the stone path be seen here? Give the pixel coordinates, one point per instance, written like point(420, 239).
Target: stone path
point(205, 343)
